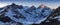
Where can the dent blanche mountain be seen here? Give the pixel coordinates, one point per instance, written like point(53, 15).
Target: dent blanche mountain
point(23, 15)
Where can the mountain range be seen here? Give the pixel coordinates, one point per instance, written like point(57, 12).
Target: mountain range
point(52, 19)
point(24, 15)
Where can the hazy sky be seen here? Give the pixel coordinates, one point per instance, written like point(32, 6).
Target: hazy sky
point(49, 3)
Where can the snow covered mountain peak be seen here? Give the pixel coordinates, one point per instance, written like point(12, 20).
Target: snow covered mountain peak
point(42, 5)
point(53, 18)
point(24, 14)
point(32, 7)
point(13, 4)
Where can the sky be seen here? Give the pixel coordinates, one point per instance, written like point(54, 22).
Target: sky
point(53, 4)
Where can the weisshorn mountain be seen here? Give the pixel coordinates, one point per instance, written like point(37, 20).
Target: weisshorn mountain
point(23, 15)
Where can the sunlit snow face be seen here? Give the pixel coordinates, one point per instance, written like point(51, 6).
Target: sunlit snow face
point(42, 5)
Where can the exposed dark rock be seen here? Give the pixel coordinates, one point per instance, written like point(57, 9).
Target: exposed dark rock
point(31, 8)
point(28, 12)
point(19, 16)
point(5, 19)
point(17, 23)
point(21, 7)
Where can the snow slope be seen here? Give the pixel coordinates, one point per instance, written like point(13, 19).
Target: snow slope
point(24, 14)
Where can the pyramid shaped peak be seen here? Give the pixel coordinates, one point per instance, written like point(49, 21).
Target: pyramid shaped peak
point(42, 5)
point(32, 6)
point(13, 4)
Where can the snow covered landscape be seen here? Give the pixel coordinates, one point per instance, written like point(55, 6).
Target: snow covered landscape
point(23, 15)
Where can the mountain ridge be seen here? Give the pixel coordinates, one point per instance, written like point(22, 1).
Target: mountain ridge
point(24, 14)
point(52, 19)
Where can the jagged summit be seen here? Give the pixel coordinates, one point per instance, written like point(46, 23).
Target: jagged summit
point(41, 6)
point(21, 6)
point(13, 4)
point(33, 7)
